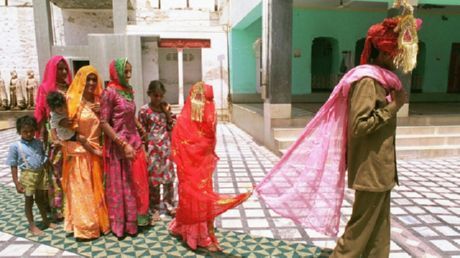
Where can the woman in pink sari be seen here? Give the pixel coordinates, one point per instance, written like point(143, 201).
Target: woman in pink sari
point(55, 78)
point(125, 165)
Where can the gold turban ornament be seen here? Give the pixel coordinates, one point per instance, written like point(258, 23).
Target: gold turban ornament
point(198, 100)
point(406, 59)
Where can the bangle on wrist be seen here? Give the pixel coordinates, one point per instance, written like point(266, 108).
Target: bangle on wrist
point(118, 141)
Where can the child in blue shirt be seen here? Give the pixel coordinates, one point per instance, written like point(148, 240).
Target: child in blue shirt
point(28, 155)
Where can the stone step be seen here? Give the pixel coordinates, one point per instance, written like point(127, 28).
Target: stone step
point(291, 122)
point(427, 140)
point(401, 140)
point(418, 152)
point(413, 120)
point(401, 130)
point(428, 130)
point(287, 132)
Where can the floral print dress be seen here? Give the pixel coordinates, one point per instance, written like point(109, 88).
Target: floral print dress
point(160, 166)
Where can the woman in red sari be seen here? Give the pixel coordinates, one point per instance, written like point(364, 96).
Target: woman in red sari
point(193, 144)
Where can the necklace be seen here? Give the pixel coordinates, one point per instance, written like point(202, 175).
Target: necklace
point(62, 87)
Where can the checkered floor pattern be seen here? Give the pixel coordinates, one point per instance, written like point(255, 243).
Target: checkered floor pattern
point(425, 208)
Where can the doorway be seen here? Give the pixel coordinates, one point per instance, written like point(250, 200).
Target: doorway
point(169, 74)
point(324, 64)
point(419, 71)
point(454, 70)
point(359, 46)
point(77, 64)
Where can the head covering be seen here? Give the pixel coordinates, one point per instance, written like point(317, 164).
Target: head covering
point(396, 36)
point(118, 80)
point(77, 88)
point(199, 94)
point(48, 85)
point(193, 151)
point(307, 184)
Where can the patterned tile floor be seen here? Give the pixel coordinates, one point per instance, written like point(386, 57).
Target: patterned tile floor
point(425, 208)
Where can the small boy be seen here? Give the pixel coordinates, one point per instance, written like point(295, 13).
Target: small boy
point(28, 155)
point(60, 123)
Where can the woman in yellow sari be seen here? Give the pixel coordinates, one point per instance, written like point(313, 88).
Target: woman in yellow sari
point(85, 211)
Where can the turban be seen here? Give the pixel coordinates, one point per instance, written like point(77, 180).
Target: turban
point(397, 37)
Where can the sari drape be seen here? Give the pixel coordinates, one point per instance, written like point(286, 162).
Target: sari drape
point(85, 210)
point(127, 189)
point(42, 111)
point(193, 144)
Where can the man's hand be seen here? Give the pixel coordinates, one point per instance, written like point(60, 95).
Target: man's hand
point(399, 97)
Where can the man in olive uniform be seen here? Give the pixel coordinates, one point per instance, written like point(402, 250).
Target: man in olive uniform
point(371, 156)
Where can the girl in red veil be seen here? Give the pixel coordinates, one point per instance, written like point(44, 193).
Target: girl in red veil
point(193, 144)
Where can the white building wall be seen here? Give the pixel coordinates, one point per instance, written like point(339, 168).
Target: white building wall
point(150, 65)
point(71, 27)
point(240, 8)
point(199, 22)
point(17, 45)
point(179, 4)
point(173, 20)
point(215, 68)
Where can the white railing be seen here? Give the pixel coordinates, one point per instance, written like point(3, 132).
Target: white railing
point(211, 5)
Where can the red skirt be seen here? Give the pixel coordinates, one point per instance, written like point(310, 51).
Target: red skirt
point(141, 187)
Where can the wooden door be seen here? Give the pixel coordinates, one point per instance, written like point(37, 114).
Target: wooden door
point(454, 71)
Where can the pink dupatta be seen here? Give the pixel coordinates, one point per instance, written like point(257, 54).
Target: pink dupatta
point(48, 85)
point(307, 184)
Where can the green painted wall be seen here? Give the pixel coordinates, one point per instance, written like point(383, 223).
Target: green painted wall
point(243, 59)
point(347, 27)
point(438, 36)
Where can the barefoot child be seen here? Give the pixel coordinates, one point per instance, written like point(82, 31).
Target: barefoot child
point(157, 120)
point(28, 155)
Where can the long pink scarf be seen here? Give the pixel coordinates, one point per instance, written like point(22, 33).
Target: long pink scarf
point(48, 85)
point(307, 184)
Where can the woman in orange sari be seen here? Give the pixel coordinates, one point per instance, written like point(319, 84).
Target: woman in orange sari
point(85, 212)
point(193, 144)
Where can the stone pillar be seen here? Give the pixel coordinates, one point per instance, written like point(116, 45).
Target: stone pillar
point(180, 74)
point(277, 62)
point(120, 15)
point(43, 33)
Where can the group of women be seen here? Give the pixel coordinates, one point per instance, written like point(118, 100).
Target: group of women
point(107, 190)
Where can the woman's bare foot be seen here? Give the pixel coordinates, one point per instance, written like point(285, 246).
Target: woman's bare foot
point(174, 234)
point(155, 217)
point(34, 230)
point(214, 248)
point(172, 212)
point(51, 225)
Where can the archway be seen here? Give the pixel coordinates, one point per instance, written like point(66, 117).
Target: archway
point(419, 71)
point(359, 46)
point(454, 70)
point(324, 64)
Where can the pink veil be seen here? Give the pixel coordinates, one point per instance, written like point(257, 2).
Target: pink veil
point(307, 184)
point(48, 84)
